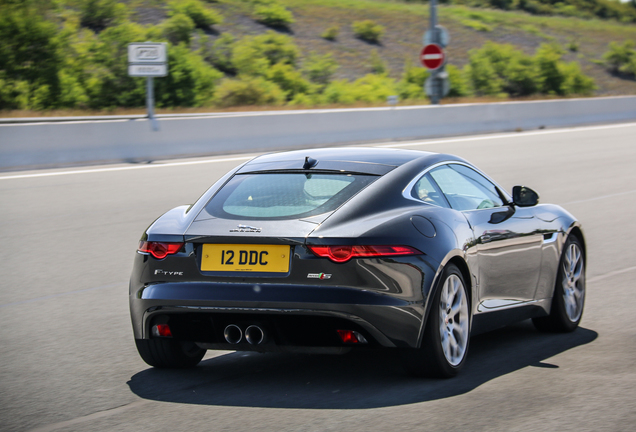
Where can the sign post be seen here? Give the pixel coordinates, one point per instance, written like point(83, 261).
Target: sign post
point(148, 59)
point(435, 39)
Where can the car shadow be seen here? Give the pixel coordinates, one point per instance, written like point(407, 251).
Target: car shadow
point(358, 380)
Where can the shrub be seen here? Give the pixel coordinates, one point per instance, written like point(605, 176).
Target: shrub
point(191, 81)
point(573, 46)
point(331, 33)
point(373, 88)
point(458, 85)
point(320, 68)
point(253, 55)
point(510, 71)
point(368, 31)
point(575, 81)
point(288, 79)
point(273, 15)
point(550, 78)
point(178, 29)
point(248, 91)
point(99, 14)
point(202, 16)
point(220, 54)
point(338, 92)
point(378, 66)
point(621, 58)
point(29, 57)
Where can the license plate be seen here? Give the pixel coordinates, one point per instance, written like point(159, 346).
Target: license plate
point(245, 258)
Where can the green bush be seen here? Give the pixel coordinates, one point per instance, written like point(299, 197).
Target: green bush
point(191, 81)
point(374, 88)
point(331, 33)
point(370, 88)
point(368, 31)
point(458, 85)
point(178, 29)
point(338, 92)
point(220, 54)
point(547, 59)
point(30, 59)
point(377, 65)
point(575, 82)
point(99, 14)
point(248, 91)
point(273, 15)
point(621, 58)
point(289, 80)
point(411, 84)
point(253, 55)
point(320, 68)
point(202, 16)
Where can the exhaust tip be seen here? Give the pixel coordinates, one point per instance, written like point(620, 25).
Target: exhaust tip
point(255, 335)
point(233, 334)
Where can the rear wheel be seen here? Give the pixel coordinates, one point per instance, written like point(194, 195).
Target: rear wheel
point(569, 292)
point(447, 333)
point(169, 353)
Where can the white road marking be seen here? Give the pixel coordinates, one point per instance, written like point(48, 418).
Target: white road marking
point(610, 274)
point(600, 197)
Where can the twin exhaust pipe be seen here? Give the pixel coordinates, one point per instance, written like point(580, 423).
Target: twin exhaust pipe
point(254, 335)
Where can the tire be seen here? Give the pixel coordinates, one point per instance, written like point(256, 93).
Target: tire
point(169, 353)
point(447, 333)
point(568, 299)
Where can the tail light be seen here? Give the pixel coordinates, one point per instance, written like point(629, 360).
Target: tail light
point(351, 336)
point(340, 254)
point(159, 250)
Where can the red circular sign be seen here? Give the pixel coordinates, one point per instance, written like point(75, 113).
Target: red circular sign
point(432, 56)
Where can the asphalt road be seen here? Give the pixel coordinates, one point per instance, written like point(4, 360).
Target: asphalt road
point(68, 361)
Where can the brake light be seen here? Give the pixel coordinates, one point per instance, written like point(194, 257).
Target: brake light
point(159, 250)
point(340, 254)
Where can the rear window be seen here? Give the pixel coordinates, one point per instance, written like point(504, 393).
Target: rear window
point(285, 196)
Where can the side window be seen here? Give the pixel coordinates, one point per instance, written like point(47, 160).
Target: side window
point(426, 190)
point(465, 188)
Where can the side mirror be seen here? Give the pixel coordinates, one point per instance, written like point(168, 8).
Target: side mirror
point(523, 196)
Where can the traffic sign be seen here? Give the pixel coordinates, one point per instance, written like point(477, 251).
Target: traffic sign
point(432, 56)
point(148, 70)
point(442, 37)
point(147, 52)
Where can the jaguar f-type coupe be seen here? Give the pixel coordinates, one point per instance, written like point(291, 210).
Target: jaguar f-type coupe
point(328, 250)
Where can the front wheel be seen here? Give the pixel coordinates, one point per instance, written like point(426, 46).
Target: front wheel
point(569, 292)
point(447, 333)
point(169, 353)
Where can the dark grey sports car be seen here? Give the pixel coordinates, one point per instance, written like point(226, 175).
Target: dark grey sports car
point(327, 250)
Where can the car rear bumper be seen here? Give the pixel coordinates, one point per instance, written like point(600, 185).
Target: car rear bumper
point(293, 314)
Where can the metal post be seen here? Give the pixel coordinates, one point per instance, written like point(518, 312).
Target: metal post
point(150, 103)
point(435, 93)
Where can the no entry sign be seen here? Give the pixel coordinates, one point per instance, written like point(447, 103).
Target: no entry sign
point(432, 56)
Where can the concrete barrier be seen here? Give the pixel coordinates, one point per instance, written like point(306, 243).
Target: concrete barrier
point(45, 142)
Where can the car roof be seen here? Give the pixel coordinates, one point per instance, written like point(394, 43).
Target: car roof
point(370, 160)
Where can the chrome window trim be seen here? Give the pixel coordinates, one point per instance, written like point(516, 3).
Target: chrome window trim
point(406, 192)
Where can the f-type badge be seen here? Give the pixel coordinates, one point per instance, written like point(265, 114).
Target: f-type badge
point(246, 228)
point(318, 276)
